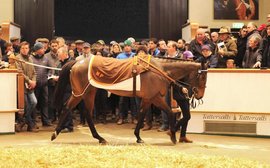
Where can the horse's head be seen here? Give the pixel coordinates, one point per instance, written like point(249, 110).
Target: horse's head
point(197, 80)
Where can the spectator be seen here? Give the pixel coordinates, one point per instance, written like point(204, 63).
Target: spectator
point(172, 51)
point(86, 52)
point(29, 74)
point(264, 30)
point(208, 57)
point(54, 62)
point(152, 46)
point(230, 63)
point(207, 34)
point(214, 37)
point(101, 46)
point(252, 31)
point(253, 57)
point(162, 47)
point(8, 50)
point(126, 102)
point(2, 45)
point(41, 90)
point(181, 45)
point(15, 44)
point(79, 48)
point(265, 48)
point(226, 48)
point(197, 43)
point(115, 50)
point(241, 46)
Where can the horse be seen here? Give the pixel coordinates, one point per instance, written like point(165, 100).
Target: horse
point(244, 11)
point(155, 82)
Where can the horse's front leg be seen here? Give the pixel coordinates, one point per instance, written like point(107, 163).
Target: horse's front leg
point(143, 109)
point(161, 104)
point(89, 98)
point(71, 103)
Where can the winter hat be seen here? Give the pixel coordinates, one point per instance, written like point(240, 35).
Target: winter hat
point(38, 46)
point(187, 55)
point(206, 47)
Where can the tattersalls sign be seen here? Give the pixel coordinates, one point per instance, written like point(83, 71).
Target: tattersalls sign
point(236, 117)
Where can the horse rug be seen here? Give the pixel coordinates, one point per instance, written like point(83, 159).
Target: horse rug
point(113, 74)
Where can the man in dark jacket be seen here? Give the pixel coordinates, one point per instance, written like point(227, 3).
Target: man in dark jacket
point(41, 90)
point(200, 40)
point(265, 48)
point(241, 46)
point(63, 56)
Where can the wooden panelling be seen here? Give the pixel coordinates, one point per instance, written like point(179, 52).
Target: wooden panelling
point(36, 18)
point(166, 18)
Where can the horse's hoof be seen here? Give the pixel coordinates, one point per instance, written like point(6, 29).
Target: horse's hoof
point(140, 141)
point(53, 137)
point(172, 136)
point(103, 142)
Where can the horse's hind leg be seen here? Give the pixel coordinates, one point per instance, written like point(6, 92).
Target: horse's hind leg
point(71, 103)
point(143, 108)
point(89, 104)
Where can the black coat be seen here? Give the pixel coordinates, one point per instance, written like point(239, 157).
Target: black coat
point(265, 51)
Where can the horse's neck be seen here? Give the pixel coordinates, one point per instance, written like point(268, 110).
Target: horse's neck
point(179, 69)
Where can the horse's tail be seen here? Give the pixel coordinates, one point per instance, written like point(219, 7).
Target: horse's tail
point(63, 82)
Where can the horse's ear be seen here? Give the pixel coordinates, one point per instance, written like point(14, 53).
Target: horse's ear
point(203, 66)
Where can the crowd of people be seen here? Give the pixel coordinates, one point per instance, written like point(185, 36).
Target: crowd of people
point(250, 49)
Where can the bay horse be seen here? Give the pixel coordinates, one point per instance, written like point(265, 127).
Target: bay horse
point(154, 86)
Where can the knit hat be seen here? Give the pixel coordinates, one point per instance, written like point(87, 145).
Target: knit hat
point(38, 46)
point(127, 43)
point(187, 55)
point(206, 47)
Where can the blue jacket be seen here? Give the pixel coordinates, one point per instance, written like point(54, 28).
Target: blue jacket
point(124, 55)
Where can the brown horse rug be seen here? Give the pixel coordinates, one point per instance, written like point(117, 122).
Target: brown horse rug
point(114, 74)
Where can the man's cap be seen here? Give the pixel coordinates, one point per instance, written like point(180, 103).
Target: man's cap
point(86, 45)
point(42, 40)
point(101, 42)
point(206, 47)
point(224, 30)
point(113, 42)
point(38, 46)
point(79, 42)
point(187, 54)
point(14, 39)
point(132, 39)
point(127, 43)
point(261, 27)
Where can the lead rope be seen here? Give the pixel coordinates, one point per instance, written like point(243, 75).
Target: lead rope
point(79, 95)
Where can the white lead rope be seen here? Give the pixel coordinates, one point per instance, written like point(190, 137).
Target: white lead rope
point(29, 63)
point(42, 66)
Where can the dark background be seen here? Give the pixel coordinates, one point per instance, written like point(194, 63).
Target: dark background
point(100, 19)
